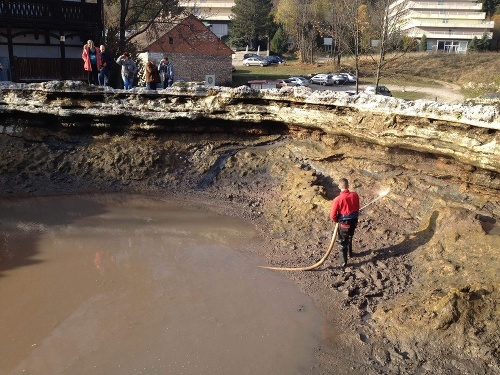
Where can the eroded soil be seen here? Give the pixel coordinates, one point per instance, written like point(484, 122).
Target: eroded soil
point(419, 296)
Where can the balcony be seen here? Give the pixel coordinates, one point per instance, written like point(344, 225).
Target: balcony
point(53, 14)
point(451, 23)
point(461, 36)
point(447, 14)
point(447, 34)
point(436, 5)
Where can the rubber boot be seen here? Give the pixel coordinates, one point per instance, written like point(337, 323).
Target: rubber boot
point(344, 255)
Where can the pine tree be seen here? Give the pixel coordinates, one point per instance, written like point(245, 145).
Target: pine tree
point(422, 47)
point(279, 43)
point(490, 7)
point(484, 43)
point(251, 21)
point(473, 45)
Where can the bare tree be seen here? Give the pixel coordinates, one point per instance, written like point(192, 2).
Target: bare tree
point(127, 19)
point(388, 18)
point(354, 21)
point(346, 21)
point(333, 26)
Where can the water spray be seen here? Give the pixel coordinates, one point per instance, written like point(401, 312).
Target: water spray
point(381, 195)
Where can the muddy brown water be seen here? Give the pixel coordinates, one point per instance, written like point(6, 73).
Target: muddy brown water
point(128, 284)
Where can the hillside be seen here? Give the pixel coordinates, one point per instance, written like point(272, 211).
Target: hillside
point(476, 73)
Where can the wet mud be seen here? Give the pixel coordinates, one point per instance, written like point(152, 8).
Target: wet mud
point(420, 294)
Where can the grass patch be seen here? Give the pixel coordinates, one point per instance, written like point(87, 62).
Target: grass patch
point(412, 95)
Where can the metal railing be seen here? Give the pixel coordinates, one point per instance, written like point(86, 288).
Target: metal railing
point(50, 12)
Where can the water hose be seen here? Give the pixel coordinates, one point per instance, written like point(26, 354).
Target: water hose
point(315, 265)
point(334, 237)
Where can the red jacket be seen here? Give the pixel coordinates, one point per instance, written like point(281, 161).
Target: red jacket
point(86, 58)
point(345, 206)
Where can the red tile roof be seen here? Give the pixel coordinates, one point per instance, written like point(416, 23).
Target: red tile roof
point(190, 36)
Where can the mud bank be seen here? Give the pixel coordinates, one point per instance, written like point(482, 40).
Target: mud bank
point(421, 294)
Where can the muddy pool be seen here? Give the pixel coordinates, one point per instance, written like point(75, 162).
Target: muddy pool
point(129, 284)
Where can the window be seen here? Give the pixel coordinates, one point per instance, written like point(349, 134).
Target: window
point(170, 40)
point(219, 29)
point(445, 20)
point(450, 46)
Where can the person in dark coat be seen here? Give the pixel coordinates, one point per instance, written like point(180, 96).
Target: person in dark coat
point(106, 63)
point(152, 75)
point(166, 72)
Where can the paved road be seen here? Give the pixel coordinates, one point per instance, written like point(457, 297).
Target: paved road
point(444, 93)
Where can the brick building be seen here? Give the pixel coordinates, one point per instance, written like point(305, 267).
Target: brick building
point(195, 51)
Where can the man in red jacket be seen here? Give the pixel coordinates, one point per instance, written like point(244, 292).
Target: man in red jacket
point(345, 211)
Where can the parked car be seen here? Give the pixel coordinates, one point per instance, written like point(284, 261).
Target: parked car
point(300, 81)
point(275, 60)
point(285, 83)
point(381, 90)
point(351, 78)
point(255, 61)
point(247, 55)
point(339, 78)
point(348, 76)
point(322, 79)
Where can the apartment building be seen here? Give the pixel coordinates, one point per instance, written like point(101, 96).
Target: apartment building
point(216, 13)
point(449, 25)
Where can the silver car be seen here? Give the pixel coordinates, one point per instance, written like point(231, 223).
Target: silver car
point(322, 79)
point(299, 81)
point(255, 60)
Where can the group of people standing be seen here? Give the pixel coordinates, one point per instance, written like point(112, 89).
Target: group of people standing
point(159, 74)
point(97, 62)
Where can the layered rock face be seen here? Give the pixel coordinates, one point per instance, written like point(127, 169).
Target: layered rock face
point(425, 278)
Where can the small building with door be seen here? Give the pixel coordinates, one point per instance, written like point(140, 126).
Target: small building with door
point(42, 40)
point(195, 51)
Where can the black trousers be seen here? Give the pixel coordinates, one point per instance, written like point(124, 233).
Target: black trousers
point(93, 75)
point(344, 238)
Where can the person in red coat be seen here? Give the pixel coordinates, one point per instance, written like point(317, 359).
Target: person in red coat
point(91, 62)
point(345, 211)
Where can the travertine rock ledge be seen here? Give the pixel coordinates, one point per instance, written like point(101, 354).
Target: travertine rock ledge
point(468, 134)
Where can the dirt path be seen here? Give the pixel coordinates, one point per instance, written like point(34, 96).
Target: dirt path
point(446, 93)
